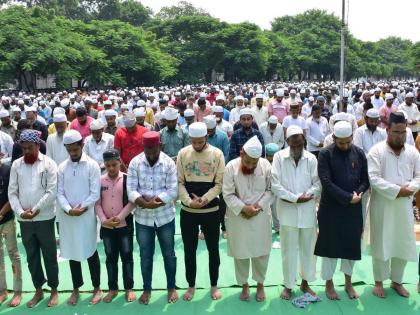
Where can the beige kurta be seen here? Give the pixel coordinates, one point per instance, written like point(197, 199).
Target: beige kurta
point(391, 218)
point(248, 238)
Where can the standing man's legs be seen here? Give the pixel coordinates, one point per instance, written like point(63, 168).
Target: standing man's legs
point(210, 225)
point(189, 229)
point(146, 238)
point(289, 240)
point(110, 240)
point(222, 213)
point(166, 239)
point(347, 268)
point(328, 266)
point(8, 232)
point(276, 222)
point(307, 259)
point(242, 274)
point(259, 271)
point(125, 239)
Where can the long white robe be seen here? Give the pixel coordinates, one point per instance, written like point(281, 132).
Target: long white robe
point(78, 184)
point(391, 218)
point(248, 238)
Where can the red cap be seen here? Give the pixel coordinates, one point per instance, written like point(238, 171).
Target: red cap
point(151, 138)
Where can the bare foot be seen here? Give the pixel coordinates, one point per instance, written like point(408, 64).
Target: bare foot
point(188, 296)
point(145, 297)
point(172, 296)
point(110, 296)
point(286, 294)
point(305, 288)
point(130, 296)
point(74, 297)
point(201, 236)
point(215, 293)
point(330, 291)
point(399, 288)
point(16, 299)
point(96, 296)
point(260, 296)
point(53, 301)
point(38, 296)
point(3, 296)
point(378, 290)
point(245, 293)
point(351, 292)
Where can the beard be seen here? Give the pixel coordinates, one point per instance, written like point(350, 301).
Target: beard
point(371, 128)
point(296, 154)
point(396, 146)
point(218, 119)
point(247, 171)
point(31, 158)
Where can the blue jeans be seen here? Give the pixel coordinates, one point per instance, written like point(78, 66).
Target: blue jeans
point(146, 238)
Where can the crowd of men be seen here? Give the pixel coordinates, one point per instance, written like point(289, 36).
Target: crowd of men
point(324, 172)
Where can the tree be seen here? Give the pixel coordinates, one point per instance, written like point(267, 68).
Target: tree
point(183, 8)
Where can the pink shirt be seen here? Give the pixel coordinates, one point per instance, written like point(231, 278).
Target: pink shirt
point(83, 129)
point(111, 202)
point(385, 112)
point(200, 114)
point(279, 109)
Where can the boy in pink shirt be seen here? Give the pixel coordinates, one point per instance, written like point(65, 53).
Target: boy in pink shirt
point(114, 211)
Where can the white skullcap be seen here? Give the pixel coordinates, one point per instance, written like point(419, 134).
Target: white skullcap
point(389, 96)
point(259, 96)
point(4, 113)
point(97, 124)
point(409, 94)
point(273, 119)
point(197, 130)
point(293, 130)
point(343, 129)
point(311, 98)
point(141, 103)
point(341, 116)
point(203, 95)
point(125, 106)
point(71, 136)
point(139, 112)
point(16, 109)
point(345, 94)
point(239, 97)
point(189, 113)
point(220, 97)
point(377, 90)
point(279, 92)
point(59, 118)
point(110, 112)
point(293, 91)
point(253, 148)
point(372, 113)
point(218, 109)
point(246, 111)
point(64, 102)
point(210, 121)
point(177, 93)
point(171, 113)
point(30, 109)
point(107, 102)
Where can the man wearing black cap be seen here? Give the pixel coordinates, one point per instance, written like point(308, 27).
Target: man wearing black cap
point(394, 173)
point(82, 122)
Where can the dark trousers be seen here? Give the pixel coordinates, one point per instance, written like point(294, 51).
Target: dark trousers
point(210, 223)
point(118, 243)
point(146, 236)
point(222, 212)
point(94, 268)
point(39, 237)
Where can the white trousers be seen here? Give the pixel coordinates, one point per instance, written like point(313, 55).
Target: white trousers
point(329, 265)
point(389, 269)
point(259, 269)
point(296, 241)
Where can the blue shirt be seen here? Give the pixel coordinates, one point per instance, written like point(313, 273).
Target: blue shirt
point(239, 138)
point(226, 114)
point(220, 140)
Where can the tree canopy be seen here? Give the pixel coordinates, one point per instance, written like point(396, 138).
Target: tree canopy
point(121, 42)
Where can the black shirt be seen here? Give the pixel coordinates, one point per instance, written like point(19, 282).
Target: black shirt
point(4, 185)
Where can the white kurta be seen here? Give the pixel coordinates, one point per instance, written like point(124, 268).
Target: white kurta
point(365, 139)
point(270, 136)
point(391, 218)
point(96, 150)
point(317, 132)
point(56, 149)
point(248, 238)
point(79, 183)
